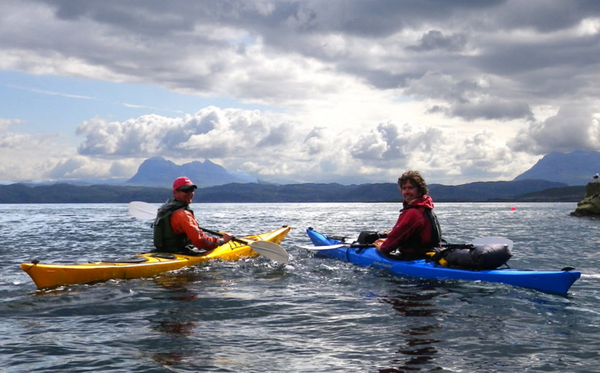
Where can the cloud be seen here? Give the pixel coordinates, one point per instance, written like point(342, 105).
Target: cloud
point(81, 167)
point(210, 133)
point(391, 143)
point(71, 168)
point(5, 123)
point(284, 52)
point(434, 40)
point(27, 156)
point(470, 99)
point(51, 93)
point(257, 143)
point(37, 157)
point(492, 109)
point(346, 89)
point(576, 126)
point(15, 141)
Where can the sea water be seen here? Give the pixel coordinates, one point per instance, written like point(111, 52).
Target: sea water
point(311, 315)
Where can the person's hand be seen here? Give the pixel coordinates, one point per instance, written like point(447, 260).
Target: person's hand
point(227, 237)
point(378, 243)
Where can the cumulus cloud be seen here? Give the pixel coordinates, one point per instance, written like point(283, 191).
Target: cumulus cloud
point(71, 168)
point(388, 142)
point(210, 133)
point(576, 126)
point(36, 157)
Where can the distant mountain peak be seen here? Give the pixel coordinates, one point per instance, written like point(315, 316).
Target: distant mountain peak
point(574, 168)
point(160, 172)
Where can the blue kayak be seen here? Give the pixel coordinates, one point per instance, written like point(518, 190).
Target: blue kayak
point(557, 282)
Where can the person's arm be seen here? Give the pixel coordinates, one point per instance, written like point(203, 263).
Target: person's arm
point(183, 221)
point(409, 222)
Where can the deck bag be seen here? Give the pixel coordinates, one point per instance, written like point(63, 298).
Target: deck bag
point(478, 257)
point(368, 237)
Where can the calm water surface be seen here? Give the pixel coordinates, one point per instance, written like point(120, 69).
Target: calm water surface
point(311, 315)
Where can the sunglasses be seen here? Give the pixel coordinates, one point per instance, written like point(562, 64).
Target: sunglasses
point(187, 191)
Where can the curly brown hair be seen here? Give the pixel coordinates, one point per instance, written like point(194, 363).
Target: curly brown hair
point(416, 179)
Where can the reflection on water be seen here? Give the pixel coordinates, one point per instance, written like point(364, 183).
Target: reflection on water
point(414, 304)
point(418, 345)
point(175, 321)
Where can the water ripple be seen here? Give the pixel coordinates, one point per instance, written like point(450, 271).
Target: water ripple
point(311, 315)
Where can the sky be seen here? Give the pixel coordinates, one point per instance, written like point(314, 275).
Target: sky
point(297, 91)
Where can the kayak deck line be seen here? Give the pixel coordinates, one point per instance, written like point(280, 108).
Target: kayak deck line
point(49, 275)
point(557, 282)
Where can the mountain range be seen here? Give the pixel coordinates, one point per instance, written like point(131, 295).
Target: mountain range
point(556, 177)
point(575, 168)
point(507, 191)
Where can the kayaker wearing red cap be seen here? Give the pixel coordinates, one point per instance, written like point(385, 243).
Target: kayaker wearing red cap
point(175, 227)
point(417, 230)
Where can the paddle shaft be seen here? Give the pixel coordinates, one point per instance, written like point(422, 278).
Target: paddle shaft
point(221, 235)
point(269, 249)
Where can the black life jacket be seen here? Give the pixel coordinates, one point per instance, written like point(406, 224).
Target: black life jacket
point(165, 239)
point(415, 244)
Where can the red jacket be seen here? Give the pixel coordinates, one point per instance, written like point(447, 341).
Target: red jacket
point(182, 221)
point(412, 232)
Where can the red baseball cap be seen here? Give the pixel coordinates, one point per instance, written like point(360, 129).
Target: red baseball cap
point(183, 183)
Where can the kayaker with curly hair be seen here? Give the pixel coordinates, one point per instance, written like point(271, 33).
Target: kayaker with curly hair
point(417, 230)
point(175, 227)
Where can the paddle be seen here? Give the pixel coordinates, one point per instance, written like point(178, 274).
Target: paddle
point(147, 211)
point(476, 242)
point(336, 246)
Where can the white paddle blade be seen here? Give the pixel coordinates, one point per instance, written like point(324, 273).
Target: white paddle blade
point(326, 247)
point(271, 250)
point(492, 241)
point(142, 210)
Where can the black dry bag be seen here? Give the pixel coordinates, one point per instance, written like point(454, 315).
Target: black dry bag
point(479, 257)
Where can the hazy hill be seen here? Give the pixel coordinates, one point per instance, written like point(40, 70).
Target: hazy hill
point(575, 168)
point(69, 193)
point(489, 190)
point(474, 192)
point(159, 172)
point(565, 194)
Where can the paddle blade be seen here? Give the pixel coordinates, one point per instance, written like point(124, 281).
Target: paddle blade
point(325, 247)
point(271, 250)
point(142, 210)
point(492, 241)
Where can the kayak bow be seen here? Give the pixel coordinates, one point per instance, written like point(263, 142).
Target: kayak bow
point(557, 282)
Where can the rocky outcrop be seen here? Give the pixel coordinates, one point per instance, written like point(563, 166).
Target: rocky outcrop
point(590, 205)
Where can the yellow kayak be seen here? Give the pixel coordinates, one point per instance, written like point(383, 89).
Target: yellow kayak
point(143, 265)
